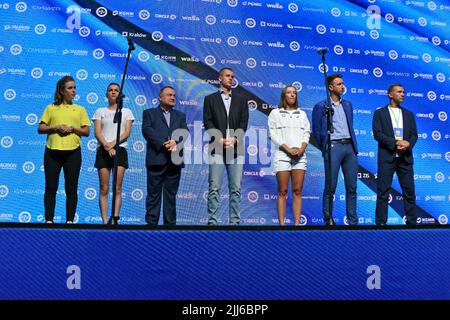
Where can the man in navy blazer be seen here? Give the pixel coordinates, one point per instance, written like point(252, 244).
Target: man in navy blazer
point(344, 149)
point(225, 117)
point(395, 130)
point(164, 158)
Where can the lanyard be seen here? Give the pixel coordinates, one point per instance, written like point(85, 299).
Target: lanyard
point(396, 117)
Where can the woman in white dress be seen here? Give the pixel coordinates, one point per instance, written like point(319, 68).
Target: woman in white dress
point(289, 130)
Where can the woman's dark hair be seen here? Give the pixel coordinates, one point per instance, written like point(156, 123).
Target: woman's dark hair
point(283, 103)
point(60, 86)
point(112, 84)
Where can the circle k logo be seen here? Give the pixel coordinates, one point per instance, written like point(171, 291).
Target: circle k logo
point(101, 12)
point(3, 191)
point(9, 94)
point(292, 7)
point(294, 46)
point(210, 19)
point(90, 193)
point(157, 36)
point(37, 73)
point(250, 23)
point(84, 32)
point(338, 49)
point(40, 29)
point(6, 142)
point(156, 78)
point(98, 53)
point(24, 217)
point(28, 167)
point(16, 49)
point(137, 194)
point(251, 63)
point(31, 119)
point(144, 15)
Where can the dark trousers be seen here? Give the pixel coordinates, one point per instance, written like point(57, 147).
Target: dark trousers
point(165, 180)
point(70, 162)
point(405, 174)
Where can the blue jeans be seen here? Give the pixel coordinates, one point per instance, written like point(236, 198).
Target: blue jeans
point(342, 155)
point(215, 178)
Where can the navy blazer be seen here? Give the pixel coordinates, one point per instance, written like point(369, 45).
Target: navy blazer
point(215, 117)
point(383, 132)
point(319, 124)
point(156, 132)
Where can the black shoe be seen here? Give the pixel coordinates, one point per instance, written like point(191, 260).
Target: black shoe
point(114, 220)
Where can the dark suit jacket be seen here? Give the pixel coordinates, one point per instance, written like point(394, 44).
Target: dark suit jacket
point(319, 124)
point(383, 132)
point(215, 117)
point(156, 132)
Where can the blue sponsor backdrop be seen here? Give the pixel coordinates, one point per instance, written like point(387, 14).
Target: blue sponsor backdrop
point(269, 44)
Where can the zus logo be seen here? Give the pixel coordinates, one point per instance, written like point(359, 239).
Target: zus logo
point(252, 105)
point(439, 176)
point(321, 29)
point(426, 57)
point(3, 191)
point(321, 68)
point(436, 135)
point(21, 7)
point(431, 95)
point(436, 40)
point(422, 21)
point(373, 17)
point(303, 220)
point(335, 12)
point(440, 77)
point(374, 34)
point(232, 3)
point(442, 116)
point(377, 72)
point(253, 196)
point(82, 74)
point(24, 217)
point(393, 54)
point(389, 17)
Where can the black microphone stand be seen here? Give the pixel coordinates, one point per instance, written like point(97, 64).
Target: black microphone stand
point(118, 119)
point(329, 113)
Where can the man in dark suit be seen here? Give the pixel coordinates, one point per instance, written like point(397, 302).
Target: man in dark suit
point(395, 130)
point(163, 157)
point(225, 117)
point(344, 149)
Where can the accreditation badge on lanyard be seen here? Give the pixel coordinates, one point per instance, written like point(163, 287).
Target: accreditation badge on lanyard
point(398, 133)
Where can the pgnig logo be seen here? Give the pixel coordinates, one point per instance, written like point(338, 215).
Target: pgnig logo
point(253, 196)
point(439, 176)
point(6, 142)
point(36, 73)
point(443, 219)
point(90, 193)
point(24, 217)
point(157, 78)
point(292, 7)
point(140, 100)
point(138, 146)
point(28, 167)
point(98, 54)
point(251, 63)
point(31, 119)
point(137, 194)
point(144, 15)
point(157, 35)
point(3, 191)
point(9, 94)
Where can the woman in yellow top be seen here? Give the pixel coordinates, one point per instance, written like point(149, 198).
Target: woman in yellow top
point(64, 123)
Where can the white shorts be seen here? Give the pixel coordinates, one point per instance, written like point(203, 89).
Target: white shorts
point(289, 165)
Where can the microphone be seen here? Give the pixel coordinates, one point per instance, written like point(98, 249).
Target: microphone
point(130, 43)
point(322, 50)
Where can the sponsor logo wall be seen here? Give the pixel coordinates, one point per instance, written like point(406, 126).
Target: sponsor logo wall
point(269, 44)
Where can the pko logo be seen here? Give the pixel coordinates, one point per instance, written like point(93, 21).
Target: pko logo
point(440, 77)
point(439, 176)
point(156, 78)
point(338, 49)
point(137, 194)
point(436, 135)
point(232, 41)
point(426, 57)
point(3, 191)
point(442, 116)
point(253, 196)
point(6, 142)
point(9, 94)
point(143, 56)
point(251, 63)
point(90, 193)
point(377, 72)
point(37, 73)
point(431, 95)
point(443, 219)
point(15, 49)
point(297, 85)
point(232, 3)
point(321, 29)
point(84, 32)
point(210, 60)
point(98, 53)
point(31, 119)
point(157, 36)
point(292, 7)
point(250, 23)
point(393, 54)
point(40, 29)
point(82, 74)
point(294, 46)
point(140, 100)
point(210, 19)
point(92, 98)
point(101, 12)
point(138, 146)
point(24, 217)
point(21, 7)
point(28, 167)
point(92, 145)
point(144, 15)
